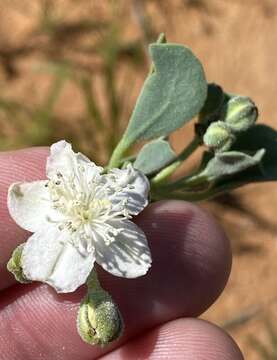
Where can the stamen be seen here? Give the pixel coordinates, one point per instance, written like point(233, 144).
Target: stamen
point(85, 207)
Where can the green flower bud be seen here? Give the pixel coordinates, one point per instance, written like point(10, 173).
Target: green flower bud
point(240, 113)
point(99, 321)
point(14, 265)
point(219, 136)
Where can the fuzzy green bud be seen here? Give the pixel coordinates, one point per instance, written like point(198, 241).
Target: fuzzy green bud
point(219, 136)
point(99, 321)
point(14, 264)
point(240, 113)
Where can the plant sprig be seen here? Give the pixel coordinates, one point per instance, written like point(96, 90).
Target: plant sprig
point(235, 150)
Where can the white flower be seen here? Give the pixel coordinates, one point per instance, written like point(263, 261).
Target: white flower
point(79, 216)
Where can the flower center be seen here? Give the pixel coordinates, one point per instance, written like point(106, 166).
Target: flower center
point(77, 203)
point(83, 208)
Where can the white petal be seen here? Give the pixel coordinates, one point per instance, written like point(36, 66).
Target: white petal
point(64, 160)
point(130, 186)
point(128, 255)
point(29, 204)
point(49, 257)
point(60, 158)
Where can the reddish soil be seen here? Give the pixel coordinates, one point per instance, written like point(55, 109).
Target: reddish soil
point(236, 41)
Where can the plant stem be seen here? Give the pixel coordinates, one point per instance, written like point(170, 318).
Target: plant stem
point(187, 196)
point(118, 153)
point(188, 183)
point(92, 282)
point(169, 170)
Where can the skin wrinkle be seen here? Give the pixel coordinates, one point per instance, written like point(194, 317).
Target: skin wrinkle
point(21, 313)
point(198, 233)
point(51, 318)
point(184, 339)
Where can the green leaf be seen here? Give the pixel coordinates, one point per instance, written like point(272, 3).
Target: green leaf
point(212, 106)
point(260, 136)
point(216, 176)
point(172, 94)
point(230, 163)
point(154, 156)
point(253, 139)
point(257, 137)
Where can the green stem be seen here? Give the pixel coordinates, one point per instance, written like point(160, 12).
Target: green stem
point(188, 183)
point(193, 145)
point(169, 170)
point(119, 153)
point(187, 196)
point(212, 190)
point(92, 282)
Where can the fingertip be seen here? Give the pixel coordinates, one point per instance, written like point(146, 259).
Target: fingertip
point(185, 339)
point(187, 243)
point(22, 165)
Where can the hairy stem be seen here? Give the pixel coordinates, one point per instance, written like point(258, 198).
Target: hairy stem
point(118, 153)
point(169, 170)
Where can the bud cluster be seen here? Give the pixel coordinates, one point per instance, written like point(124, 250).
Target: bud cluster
point(237, 115)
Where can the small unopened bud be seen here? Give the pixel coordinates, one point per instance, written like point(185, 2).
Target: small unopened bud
point(99, 321)
point(14, 265)
point(241, 113)
point(219, 136)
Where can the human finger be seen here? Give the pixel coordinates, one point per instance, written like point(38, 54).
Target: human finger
point(191, 264)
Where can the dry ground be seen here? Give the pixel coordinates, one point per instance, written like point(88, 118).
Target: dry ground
point(236, 41)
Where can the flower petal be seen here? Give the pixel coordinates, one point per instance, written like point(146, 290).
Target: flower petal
point(128, 255)
point(29, 204)
point(131, 187)
point(48, 256)
point(64, 160)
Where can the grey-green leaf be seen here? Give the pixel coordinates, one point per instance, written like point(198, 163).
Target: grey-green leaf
point(259, 136)
point(154, 156)
point(172, 94)
point(230, 163)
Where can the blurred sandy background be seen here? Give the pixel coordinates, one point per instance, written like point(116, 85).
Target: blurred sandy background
point(73, 69)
